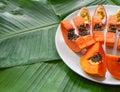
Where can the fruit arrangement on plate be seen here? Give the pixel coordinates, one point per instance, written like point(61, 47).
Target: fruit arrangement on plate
point(78, 36)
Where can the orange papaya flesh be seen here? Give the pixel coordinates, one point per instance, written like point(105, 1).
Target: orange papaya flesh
point(100, 10)
point(98, 23)
point(118, 46)
point(65, 27)
point(98, 36)
point(89, 40)
point(102, 16)
point(85, 41)
point(84, 13)
point(111, 31)
point(97, 29)
point(112, 19)
point(81, 43)
point(113, 65)
point(78, 21)
point(84, 32)
point(82, 22)
point(93, 61)
point(96, 19)
point(118, 25)
point(112, 23)
point(118, 15)
point(110, 39)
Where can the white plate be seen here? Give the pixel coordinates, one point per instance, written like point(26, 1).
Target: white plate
point(71, 59)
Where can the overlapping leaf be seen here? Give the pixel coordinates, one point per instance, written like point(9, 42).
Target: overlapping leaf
point(63, 7)
point(27, 33)
point(47, 77)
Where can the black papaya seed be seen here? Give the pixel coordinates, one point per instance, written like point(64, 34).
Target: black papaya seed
point(96, 58)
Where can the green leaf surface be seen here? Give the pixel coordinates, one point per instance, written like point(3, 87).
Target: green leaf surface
point(28, 37)
point(48, 77)
point(29, 48)
point(116, 2)
point(18, 18)
point(63, 7)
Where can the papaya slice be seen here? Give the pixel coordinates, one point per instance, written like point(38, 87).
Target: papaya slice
point(111, 31)
point(93, 61)
point(79, 23)
point(113, 65)
point(112, 23)
point(118, 17)
point(110, 39)
point(84, 13)
point(82, 23)
point(98, 36)
point(89, 40)
point(118, 26)
point(83, 31)
point(69, 35)
point(99, 20)
point(81, 42)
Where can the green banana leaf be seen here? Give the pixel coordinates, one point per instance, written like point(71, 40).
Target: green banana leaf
point(27, 39)
point(52, 76)
point(64, 7)
point(27, 31)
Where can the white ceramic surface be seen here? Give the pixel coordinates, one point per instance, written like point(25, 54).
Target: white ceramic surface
point(71, 59)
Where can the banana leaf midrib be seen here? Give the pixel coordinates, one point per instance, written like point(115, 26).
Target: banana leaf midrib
point(13, 34)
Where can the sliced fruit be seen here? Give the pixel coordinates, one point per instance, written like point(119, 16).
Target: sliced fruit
point(93, 61)
point(81, 26)
point(100, 11)
point(113, 65)
point(98, 36)
point(112, 24)
point(81, 43)
point(111, 31)
point(84, 13)
point(118, 16)
point(82, 23)
point(98, 23)
point(110, 39)
point(88, 40)
point(69, 35)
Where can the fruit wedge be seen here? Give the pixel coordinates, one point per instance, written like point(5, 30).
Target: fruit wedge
point(98, 23)
point(111, 31)
point(84, 13)
point(70, 36)
point(82, 23)
point(113, 65)
point(93, 61)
